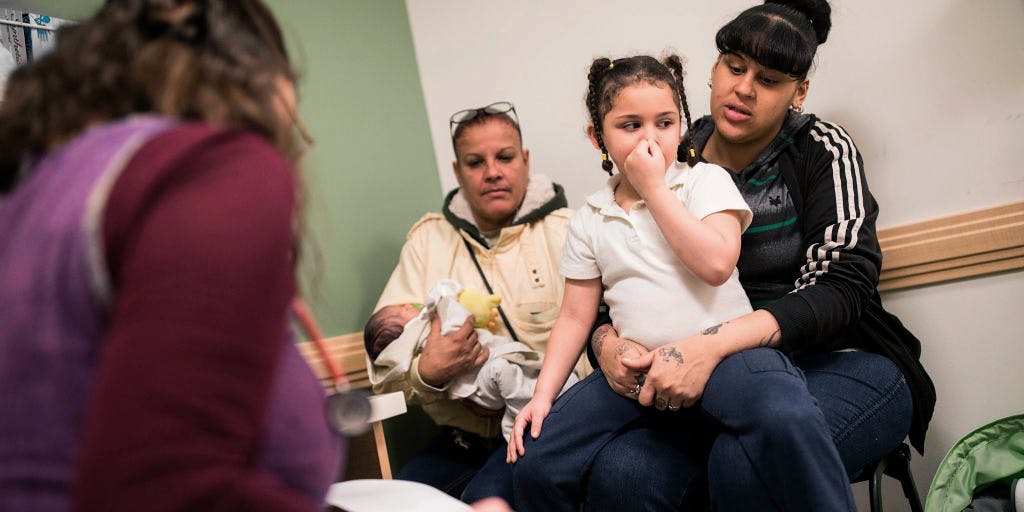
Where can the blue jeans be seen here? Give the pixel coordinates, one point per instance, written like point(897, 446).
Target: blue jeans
point(463, 465)
point(767, 434)
point(493, 479)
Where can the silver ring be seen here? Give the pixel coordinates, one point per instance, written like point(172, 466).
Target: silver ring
point(676, 408)
point(635, 390)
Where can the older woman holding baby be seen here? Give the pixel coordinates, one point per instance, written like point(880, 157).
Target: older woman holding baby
point(502, 231)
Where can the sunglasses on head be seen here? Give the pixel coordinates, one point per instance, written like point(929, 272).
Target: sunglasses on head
point(463, 116)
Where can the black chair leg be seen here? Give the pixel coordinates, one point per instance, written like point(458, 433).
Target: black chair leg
point(875, 485)
point(897, 465)
point(900, 468)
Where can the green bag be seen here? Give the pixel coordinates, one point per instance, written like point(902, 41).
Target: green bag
point(990, 454)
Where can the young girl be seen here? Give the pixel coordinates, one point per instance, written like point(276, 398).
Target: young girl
point(661, 241)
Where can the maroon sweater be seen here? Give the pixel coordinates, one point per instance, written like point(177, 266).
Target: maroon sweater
point(198, 234)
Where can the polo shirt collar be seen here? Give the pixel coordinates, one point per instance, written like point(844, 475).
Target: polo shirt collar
point(604, 199)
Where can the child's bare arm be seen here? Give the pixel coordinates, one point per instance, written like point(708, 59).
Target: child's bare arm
point(568, 338)
point(709, 247)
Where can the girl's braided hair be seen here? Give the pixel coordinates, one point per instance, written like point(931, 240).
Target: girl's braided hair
point(606, 78)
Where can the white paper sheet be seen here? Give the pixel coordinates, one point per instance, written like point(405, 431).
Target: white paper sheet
point(391, 496)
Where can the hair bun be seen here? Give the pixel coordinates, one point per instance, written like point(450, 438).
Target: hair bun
point(818, 12)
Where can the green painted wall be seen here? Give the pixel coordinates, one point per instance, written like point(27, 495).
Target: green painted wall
point(67, 9)
point(372, 172)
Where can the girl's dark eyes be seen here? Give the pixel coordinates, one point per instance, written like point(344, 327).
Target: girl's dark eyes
point(633, 126)
point(736, 70)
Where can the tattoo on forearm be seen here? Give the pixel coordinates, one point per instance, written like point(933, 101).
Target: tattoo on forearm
point(670, 354)
point(713, 329)
point(771, 339)
point(597, 340)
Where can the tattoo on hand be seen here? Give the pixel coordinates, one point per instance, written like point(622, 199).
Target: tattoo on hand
point(621, 349)
point(670, 354)
point(597, 340)
point(713, 329)
point(771, 339)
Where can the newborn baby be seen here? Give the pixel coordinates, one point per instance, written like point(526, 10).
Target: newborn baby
point(506, 380)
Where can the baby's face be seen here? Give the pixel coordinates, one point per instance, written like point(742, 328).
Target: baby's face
point(406, 312)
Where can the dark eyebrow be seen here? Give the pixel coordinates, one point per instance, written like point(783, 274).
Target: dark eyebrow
point(740, 57)
point(633, 117)
point(478, 155)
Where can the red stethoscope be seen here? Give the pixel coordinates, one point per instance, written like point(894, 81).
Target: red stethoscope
point(348, 409)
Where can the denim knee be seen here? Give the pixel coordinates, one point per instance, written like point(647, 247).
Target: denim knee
point(758, 388)
point(787, 421)
point(612, 485)
point(530, 475)
point(732, 478)
point(763, 400)
point(648, 468)
point(493, 479)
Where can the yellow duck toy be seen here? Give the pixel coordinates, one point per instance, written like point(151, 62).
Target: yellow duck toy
point(482, 307)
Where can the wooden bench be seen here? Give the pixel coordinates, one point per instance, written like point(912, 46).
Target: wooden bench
point(367, 454)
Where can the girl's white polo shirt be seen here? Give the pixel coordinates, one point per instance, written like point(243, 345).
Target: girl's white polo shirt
point(653, 298)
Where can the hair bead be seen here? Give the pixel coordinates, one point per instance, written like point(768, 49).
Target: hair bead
point(606, 163)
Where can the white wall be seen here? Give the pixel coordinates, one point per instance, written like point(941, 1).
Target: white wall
point(972, 333)
point(932, 91)
point(536, 54)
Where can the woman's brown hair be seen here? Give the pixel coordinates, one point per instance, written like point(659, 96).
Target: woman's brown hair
point(217, 61)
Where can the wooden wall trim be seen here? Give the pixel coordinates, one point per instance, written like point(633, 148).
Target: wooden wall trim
point(954, 247)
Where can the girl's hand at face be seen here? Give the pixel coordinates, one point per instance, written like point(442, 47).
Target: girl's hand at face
point(645, 167)
point(678, 372)
point(533, 413)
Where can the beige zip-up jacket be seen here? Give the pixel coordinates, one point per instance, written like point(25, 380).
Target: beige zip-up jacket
point(521, 265)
